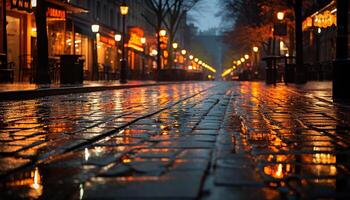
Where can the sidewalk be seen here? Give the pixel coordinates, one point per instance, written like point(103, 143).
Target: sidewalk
point(201, 140)
point(21, 91)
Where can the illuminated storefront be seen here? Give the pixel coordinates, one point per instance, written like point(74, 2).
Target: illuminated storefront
point(21, 36)
point(135, 52)
point(107, 57)
point(320, 41)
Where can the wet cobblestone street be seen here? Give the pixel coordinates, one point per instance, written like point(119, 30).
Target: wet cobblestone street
point(210, 140)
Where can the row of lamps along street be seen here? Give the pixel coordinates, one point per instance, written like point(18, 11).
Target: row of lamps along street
point(195, 62)
point(121, 37)
point(124, 9)
point(242, 60)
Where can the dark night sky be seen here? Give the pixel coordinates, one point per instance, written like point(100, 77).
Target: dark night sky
point(204, 13)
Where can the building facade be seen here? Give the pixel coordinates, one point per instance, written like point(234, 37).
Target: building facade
point(69, 32)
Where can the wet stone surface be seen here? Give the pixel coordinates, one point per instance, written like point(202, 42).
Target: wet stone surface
point(209, 140)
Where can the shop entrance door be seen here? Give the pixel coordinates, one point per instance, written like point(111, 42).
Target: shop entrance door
point(13, 43)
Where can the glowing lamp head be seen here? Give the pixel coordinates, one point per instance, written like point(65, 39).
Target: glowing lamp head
point(280, 16)
point(200, 62)
point(246, 56)
point(190, 67)
point(183, 52)
point(242, 60)
point(95, 28)
point(117, 37)
point(154, 52)
point(190, 57)
point(34, 3)
point(255, 49)
point(196, 60)
point(162, 32)
point(143, 40)
point(124, 9)
point(175, 45)
point(239, 62)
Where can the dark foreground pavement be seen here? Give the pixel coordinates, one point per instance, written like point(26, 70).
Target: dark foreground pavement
point(196, 141)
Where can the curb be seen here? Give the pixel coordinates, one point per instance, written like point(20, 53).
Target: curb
point(43, 92)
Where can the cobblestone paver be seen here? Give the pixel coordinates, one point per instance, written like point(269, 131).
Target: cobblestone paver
point(190, 141)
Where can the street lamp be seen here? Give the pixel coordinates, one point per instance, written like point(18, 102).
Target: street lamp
point(143, 42)
point(183, 52)
point(95, 28)
point(242, 60)
point(175, 45)
point(190, 57)
point(117, 37)
point(256, 49)
point(162, 33)
point(246, 56)
point(34, 3)
point(280, 16)
point(196, 60)
point(123, 63)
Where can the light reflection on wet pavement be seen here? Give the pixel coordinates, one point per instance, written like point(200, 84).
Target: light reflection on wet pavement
point(196, 140)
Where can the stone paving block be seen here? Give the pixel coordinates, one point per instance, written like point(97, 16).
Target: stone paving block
point(11, 163)
point(185, 145)
point(239, 176)
point(173, 185)
point(193, 164)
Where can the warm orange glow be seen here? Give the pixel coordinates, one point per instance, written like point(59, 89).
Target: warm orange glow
point(143, 40)
point(255, 49)
point(246, 56)
point(280, 16)
point(124, 9)
point(196, 60)
point(242, 60)
point(162, 33)
point(226, 72)
point(175, 45)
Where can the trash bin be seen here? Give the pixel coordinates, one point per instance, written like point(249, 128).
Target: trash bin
point(71, 69)
point(289, 73)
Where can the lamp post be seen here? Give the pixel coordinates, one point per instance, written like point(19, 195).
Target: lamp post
point(256, 50)
point(183, 53)
point(123, 63)
point(143, 42)
point(117, 38)
point(95, 28)
point(175, 46)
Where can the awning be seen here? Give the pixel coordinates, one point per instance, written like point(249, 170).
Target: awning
point(70, 8)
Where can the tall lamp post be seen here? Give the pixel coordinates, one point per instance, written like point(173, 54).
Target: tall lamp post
point(143, 42)
point(256, 67)
point(117, 38)
point(95, 29)
point(123, 63)
point(175, 46)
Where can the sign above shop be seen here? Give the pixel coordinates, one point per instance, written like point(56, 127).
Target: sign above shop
point(21, 5)
point(107, 40)
point(321, 20)
point(136, 34)
point(56, 13)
